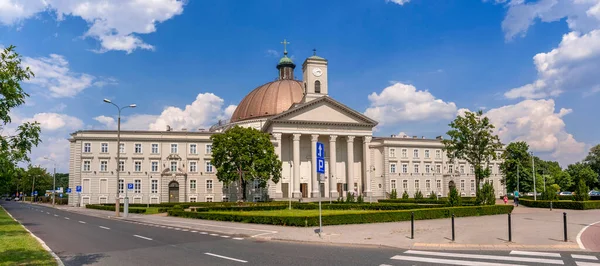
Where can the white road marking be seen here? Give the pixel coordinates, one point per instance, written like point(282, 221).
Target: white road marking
point(583, 257)
point(581, 232)
point(143, 237)
point(177, 228)
point(227, 258)
point(185, 230)
point(448, 262)
point(533, 253)
point(67, 218)
point(266, 232)
point(81, 222)
point(47, 212)
point(214, 235)
point(194, 231)
point(225, 236)
point(385, 265)
point(162, 226)
point(104, 227)
point(237, 238)
point(204, 233)
point(582, 263)
point(56, 215)
point(484, 257)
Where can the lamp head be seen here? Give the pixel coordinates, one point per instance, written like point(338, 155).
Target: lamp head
point(107, 101)
point(133, 105)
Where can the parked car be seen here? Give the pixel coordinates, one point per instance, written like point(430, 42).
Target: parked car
point(565, 193)
point(595, 193)
point(7, 199)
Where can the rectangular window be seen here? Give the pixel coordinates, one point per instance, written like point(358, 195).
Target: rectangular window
point(208, 148)
point(450, 168)
point(472, 169)
point(104, 148)
point(393, 183)
point(154, 186)
point(138, 148)
point(404, 168)
point(438, 154)
point(256, 185)
point(462, 169)
point(404, 153)
point(174, 148)
point(405, 184)
point(137, 186)
point(137, 166)
point(103, 186)
point(103, 166)
point(491, 169)
point(121, 166)
point(173, 166)
point(87, 147)
point(121, 186)
point(416, 153)
point(393, 168)
point(209, 167)
point(427, 168)
point(416, 184)
point(438, 168)
point(155, 148)
point(428, 184)
point(193, 167)
point(86, 186)
point(87, 166)
point(416, 168)
point(439, 183)
point(472, 185)
point(192, 199)
point(392, 153)
point(193, 149)
point(154, 166)
point(193, 185)
point(462, 185)
point(122, 148)
point(209, 186)
point(427, 154)
point(209, 199)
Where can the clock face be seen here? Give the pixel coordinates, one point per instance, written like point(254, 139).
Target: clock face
point(317, 72)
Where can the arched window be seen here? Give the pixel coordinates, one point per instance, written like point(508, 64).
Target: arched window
point(317, 86)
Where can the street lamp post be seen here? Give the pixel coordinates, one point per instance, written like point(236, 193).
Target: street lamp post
point(53, 180)
point(533, 172)
point(117, 203)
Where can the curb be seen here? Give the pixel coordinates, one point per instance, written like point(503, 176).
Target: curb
point(58, 261)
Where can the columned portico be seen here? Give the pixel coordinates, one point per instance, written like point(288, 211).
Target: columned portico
point(315, 176)
point(367, 165)
point(350, 164)
point(332, 164)
point(277, 136)
point(296, 166)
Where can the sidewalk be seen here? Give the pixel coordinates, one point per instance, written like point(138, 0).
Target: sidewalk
point(532, 228)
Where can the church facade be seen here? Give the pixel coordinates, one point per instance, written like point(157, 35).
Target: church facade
point(174, 165)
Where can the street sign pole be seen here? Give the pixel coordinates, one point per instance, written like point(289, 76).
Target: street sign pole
point(321, 170)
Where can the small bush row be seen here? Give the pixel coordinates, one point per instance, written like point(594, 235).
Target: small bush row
point(338, 219)
point(325, 206)
point(567, 204)
point(465, 201)
point(112, 208)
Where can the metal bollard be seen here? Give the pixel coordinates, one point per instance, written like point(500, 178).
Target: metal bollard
point(453, 227)
point(551, 205)
point(509, 229)
point(565, 224)
point(412, 225)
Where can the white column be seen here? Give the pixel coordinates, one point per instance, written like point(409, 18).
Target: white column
point(350, 163)
point(332, 163)
point(367, 165)
point(278, 192)
point(315, 179)
point(296, 192)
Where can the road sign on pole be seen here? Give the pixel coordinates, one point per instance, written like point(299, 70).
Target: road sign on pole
point(68, 190)
point(129, 186)
point(78, 189)
point(321, 170)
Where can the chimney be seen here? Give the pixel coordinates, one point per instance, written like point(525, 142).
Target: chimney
point(168, 128)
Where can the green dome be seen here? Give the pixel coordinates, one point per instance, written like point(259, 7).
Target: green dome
point(285, 60)
point(316, 57)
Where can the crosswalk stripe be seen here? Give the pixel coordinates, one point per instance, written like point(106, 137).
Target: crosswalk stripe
point(584, 263)
point(484, 257)
point(448, 262)
point(533, 253)
point(583, 257)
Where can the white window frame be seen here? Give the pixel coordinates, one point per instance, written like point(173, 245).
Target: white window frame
point(438, 168)
point(427, 154)
point(152, 166)
point(392, 152)
point(174, 148)
point(209, 185)
point(427, 168)
point(416, 168)
point(404, 153)
point(121, 166)
point(405, 184)
point(135, 148)
point(209, 199)
point(438, 183)
point(392, 168)
point(122, 148)
point(87, 163)
point(100, 185)
point(135, 166)
point(462, 169)
point(193, 199)
point(462, 185)
point(450, 168)
point(193, 184)
point(472, 184)
point(153, 150)
point(208, 148)
point(428, 184)
point(104, 147)
point(87, 147)
point(171, 166)
point(208, 167)
point(121, 186)
point(417, 185)
point(86, 189)
point(137, 186)
point(404, 168)
point(154, 186)
point(104, 164)
point(415, 153)
point(438, 154)
point(393, 183)
point(193, 148)
point(193, 166)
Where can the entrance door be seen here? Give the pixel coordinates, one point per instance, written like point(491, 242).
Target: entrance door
point(285, 190)
point(340, 189)
point(173, 191)
point(304, 190)
point(451, 185)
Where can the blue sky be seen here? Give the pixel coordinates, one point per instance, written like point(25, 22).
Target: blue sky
point(412, 65)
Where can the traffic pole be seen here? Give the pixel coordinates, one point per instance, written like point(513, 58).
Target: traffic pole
point(509, 229)
point(412, 225)
point(565, 225)
point(453, 227)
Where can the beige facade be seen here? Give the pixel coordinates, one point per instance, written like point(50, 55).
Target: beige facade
point(174, 166)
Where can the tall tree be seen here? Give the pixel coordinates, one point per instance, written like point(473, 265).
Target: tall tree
point(564, 181)
point(593, 159)
point(583, 172)
point(472, 139)
point(245, 155)
point(15, 145)
point(516, 166)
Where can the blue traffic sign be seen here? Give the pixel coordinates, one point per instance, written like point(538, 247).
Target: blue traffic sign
point(60, 195)
point(320, 150)
point(130, 186)
point(78, 189)
point(320, 165)
point(35, 193)
point(68, 190)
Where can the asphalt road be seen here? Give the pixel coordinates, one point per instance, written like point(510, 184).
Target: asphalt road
point(85, 240)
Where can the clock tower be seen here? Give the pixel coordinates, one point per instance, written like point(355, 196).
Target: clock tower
point(314, 71)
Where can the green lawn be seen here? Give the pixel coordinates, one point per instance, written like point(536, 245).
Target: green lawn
point(296, 213)
point(17, 247)
point(151, 210)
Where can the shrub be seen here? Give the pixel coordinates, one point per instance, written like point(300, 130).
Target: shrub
point(112, 208)
point(486, 195)
point(418, 195)
point(360, 199)
point(551, 192)
point(178, 207)
point(432, 195)
point(453, 198)
point(337, 219)
point(581, 192)
point(349, 197)
point(394, 194)
point(573, 205)
point(405, 195)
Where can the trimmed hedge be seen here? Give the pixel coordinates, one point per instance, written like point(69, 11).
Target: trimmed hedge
point(337, 219)
point(112, 208)
point(325, 206)
point(561, 204)
point(186, 205)
point(465, 201)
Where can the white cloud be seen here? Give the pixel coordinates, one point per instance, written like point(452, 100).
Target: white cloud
point(400, 2)
point(272, 53)
point(402, 102)
point(537, 123)
point(54, 121)
point(115, 23)
point(573, 64)
point(53, 73)
point(54, 147)
point(206, 110)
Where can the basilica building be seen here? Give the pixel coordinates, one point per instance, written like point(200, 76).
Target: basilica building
point(174, 165)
